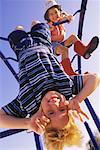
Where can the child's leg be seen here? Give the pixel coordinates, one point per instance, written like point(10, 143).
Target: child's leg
point(80, 48)
point(68, 67)
point(72, 39)
point(63, 51)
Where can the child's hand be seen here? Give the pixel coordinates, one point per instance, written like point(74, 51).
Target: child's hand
point(51, 26)
point(38, 122)
point(74, 105)
point(68, 17)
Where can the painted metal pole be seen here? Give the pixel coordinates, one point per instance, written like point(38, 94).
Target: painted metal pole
point(93, 114)
point(9, 66)
point(38, 141)
point(96, 146)
point(65, 21)
point(3, 38)
point(7, 133)
point(80, 28)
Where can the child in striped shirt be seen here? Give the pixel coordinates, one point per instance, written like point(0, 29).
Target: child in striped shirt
point(45, 91)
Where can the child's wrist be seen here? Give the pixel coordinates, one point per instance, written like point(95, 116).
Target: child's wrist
point(77, 99)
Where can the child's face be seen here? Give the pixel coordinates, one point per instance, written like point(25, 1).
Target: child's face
point(54, 106)
point(54, 14)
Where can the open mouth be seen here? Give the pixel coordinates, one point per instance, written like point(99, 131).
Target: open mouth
point(54, 98)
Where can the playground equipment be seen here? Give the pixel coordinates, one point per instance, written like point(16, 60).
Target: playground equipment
point(38, 142)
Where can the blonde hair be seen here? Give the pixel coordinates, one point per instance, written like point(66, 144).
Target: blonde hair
point(70, 135)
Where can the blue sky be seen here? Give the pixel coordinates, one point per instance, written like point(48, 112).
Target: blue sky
point(22, 12)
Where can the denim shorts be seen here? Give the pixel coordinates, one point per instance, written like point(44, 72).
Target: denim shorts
point(54, 45)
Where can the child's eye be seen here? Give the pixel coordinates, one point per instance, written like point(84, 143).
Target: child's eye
point(62, 109)
point(50, 113)
point(51, 14)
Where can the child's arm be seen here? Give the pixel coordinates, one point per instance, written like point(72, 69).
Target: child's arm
point(8, 121)
point(75, 107)
point(90, 82)
point(36, 123)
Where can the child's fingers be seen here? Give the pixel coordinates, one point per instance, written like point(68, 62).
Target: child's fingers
point(44, 120)
point(77, 115)
point(84, 114)
point(39, 124)
point(80, 118)
point(40, 127)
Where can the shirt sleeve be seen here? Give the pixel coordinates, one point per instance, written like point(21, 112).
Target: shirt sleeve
point(14, 109)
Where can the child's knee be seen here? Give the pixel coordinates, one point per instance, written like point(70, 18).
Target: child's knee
point(73, 38)
point(93, 77)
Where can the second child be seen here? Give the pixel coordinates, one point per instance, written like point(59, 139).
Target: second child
point(61, 46)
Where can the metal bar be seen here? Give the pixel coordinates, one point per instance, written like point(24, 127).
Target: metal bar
point(10, 132)
point(93, 114)
point(80, 28)
point(3, 38)
point(65, 21)
point(39, 144)
point(9, 66)
point(91, 136)
point(60, 22)
point(11, 58)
